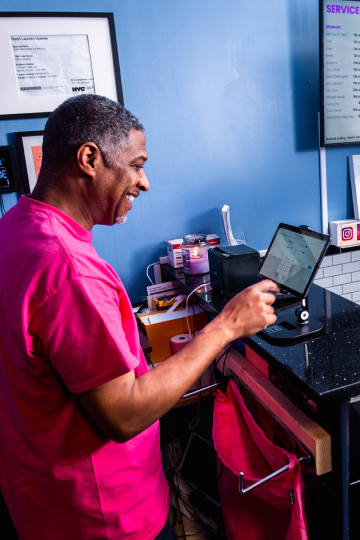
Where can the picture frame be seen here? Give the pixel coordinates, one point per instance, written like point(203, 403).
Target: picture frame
point(48, 57)
point(29, 145)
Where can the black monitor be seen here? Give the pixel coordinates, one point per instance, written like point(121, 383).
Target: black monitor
point(292, 261)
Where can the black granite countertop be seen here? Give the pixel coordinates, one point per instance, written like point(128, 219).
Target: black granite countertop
point(326, 368)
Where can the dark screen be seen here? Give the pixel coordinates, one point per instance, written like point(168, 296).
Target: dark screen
point(6, 173)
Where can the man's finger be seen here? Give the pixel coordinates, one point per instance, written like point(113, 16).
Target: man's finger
point(272, 319)
point(268, 298)
point(267, 285)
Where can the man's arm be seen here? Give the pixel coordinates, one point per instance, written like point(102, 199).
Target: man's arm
point(125, 406)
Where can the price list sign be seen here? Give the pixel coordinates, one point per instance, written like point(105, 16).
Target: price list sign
point(340, 72)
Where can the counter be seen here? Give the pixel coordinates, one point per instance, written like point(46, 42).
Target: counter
point(324, 370)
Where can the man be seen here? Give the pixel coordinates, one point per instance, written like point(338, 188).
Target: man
point(79, 432)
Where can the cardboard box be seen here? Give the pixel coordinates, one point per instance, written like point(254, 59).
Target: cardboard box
point(161, 327)
point(213, 239)
point(345, 232)
point(174, 252)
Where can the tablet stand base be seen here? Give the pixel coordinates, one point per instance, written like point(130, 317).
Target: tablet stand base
point(294, 326)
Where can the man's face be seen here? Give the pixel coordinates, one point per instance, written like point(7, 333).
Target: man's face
point(120, 186)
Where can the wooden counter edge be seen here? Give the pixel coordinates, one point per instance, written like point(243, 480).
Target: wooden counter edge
point(310, 434)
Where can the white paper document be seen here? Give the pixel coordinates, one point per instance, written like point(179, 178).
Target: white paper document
point(53, 65)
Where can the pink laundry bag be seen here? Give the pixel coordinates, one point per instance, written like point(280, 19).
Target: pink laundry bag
point(273, 511)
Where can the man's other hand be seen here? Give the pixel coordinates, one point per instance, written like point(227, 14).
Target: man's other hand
point(250, 311)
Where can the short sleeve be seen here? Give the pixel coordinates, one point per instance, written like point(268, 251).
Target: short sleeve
point(80, 329)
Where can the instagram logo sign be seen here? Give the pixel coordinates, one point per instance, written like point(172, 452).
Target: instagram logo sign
point(347, 233)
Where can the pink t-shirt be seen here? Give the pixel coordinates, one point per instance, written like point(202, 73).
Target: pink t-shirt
point(67, 326)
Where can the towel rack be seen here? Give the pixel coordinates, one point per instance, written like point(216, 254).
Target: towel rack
point(266, 479)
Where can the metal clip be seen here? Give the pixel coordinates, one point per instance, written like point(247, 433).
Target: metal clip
point(263, 480)
point(201, 390)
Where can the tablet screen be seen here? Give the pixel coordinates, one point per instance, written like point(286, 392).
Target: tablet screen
point(294, 257)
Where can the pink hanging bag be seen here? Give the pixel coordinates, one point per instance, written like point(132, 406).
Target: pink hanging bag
point(272, 511)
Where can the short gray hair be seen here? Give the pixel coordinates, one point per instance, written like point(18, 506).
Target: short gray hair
point(81, 119)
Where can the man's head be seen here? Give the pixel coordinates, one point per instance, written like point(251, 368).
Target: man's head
point(81, 119)
point(94, 151)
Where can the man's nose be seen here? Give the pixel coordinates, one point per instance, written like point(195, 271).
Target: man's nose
point(143, 183)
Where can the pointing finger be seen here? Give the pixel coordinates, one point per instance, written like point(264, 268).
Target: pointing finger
point(267, 285)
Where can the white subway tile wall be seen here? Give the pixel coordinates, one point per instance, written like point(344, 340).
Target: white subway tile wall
point(340, 274)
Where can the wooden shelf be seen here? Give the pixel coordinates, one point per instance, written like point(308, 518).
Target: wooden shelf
point(307, 432)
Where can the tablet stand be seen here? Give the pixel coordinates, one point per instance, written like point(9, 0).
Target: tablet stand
point(294, 326)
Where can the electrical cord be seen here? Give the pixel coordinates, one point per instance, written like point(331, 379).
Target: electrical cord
point(147, 272)
point(176, 458)
point(223, 354)
point(196, 420)
point(171, 457)
point(227, 354)
point(187, 306)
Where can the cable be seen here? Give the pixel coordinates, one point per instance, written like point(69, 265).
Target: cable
point(195, 420)
point(187, 305)
point(171, 457)
point(147, 272)
point(223, 354)
point(227, 354)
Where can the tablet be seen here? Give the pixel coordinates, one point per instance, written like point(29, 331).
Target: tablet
point(293, 258)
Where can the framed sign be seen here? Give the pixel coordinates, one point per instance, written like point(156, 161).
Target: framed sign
point(49, 57)
point(30, 153)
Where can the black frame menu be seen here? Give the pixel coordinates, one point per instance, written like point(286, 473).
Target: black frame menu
point(340, 72)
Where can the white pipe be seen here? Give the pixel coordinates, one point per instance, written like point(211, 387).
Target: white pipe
point(323, 187)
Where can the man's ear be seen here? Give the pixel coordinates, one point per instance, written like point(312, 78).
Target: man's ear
point(89, 158)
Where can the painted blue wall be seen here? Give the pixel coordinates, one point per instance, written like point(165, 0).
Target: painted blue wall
point(228, 93)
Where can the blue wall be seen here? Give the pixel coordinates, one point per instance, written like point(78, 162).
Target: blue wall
point(228, 93)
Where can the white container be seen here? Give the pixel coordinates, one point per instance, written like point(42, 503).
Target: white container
point(345, 232)
point(174, 252)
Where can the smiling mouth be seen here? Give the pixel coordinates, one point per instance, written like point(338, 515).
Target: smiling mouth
point(130, 197)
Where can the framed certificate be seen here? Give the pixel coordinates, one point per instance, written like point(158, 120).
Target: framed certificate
point(49, 57)
point(30, 153)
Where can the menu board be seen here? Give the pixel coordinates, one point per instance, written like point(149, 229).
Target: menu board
point(340, 72)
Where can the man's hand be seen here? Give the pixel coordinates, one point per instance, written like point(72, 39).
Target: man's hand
point(250, 311)
point(125, 406)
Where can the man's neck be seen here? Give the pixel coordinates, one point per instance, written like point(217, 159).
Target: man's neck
point(69, 203)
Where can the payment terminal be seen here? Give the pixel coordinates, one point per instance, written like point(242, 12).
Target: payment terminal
point(292, 261)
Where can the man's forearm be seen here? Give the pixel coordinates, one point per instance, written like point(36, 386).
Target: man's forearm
point(127, 405)
point(158, 390)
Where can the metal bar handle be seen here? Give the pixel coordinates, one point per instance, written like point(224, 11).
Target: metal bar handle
point(263, 480)
point(201, 390)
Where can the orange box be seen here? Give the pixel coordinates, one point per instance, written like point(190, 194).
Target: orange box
point(161, 327)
